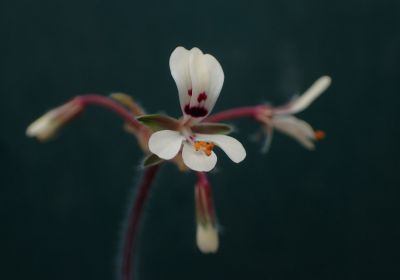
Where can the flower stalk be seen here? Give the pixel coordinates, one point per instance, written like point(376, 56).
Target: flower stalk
point(236, 113)
point(133, 223)
point(98, 100)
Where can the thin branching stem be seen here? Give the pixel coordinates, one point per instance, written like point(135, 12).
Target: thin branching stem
point(236, 113)
point(94, 99)
point(133, 224)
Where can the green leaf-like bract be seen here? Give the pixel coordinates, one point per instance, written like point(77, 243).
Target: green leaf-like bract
point(159, 122)
point(152, 160)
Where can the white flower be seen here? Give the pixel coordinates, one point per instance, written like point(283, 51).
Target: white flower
point(199, 79)
point(283, 120)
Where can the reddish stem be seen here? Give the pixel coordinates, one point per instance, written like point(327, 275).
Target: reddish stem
point(202, 178)
point(94, 99)
point(250, 111)
point(206, 186)
point(129, 248)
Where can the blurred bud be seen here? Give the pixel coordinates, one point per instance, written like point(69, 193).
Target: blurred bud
point(207, 233)
point(48, 125)
point(207, 239)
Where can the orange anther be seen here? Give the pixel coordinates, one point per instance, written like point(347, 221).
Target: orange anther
point(197, 145)
point(206, 147)
point(319, 135)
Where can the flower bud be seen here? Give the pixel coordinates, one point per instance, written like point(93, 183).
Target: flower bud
point(207, 233)
point(48, 125)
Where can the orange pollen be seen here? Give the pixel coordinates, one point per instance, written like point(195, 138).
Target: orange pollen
point(319, 135)
point(204, 146)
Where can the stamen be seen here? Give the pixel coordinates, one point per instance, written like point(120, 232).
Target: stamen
point(204, 146)
point(319, 135)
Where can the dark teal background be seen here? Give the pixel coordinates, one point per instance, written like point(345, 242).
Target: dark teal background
point(291, 214)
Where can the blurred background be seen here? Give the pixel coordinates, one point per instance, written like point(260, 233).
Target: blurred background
point(291, 214)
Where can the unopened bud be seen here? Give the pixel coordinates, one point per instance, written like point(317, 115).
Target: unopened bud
point(48, 125)
point(207, 238)
point(207, 233)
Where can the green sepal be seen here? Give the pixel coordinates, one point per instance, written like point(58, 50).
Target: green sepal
point(159, 122)
point(152, 160)
point(212, 128)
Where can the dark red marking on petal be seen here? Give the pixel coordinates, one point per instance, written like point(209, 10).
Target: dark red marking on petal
point(202, 96)
point(195, 112)
point(190, 92)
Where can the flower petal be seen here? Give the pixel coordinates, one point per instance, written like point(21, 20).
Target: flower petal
point(179, 66)
point(198, 74)
point(296, 128)
point(216, 80)
point(207, 79)
point(165, 143)
point(197, 160)
point(303, 101)
point(269, 133)
point(232, 147)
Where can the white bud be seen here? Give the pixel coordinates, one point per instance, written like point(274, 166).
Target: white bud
point(207, 238)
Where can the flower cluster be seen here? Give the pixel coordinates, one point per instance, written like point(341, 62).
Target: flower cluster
point(190, 141)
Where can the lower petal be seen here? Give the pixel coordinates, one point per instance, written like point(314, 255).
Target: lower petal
point(165, 143)
point(232, 147)
point(197, 160)
point(296, 128)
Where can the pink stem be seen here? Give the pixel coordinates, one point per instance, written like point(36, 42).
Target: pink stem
point(94, 99)
point(128, 260)
point(205, 184)
point(241, 112)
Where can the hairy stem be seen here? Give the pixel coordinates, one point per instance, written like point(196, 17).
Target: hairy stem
point(241, 112)
point(94, 99)
point(132, 229)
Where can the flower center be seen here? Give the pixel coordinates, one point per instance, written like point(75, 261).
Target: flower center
point(204, 146)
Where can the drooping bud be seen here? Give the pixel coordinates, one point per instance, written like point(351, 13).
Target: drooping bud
point(48, 125)
point(206, 231)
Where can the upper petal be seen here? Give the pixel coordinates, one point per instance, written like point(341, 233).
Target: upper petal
point(165, 143)
point(207, 79)
point(216, 80)
point(296, 128)
point(302, 102)
point(197, 160)
point(198, 73)
point(179, 66)
point(232, 147)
